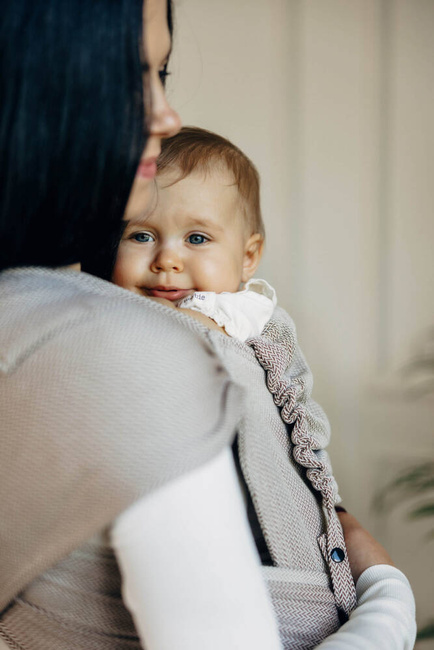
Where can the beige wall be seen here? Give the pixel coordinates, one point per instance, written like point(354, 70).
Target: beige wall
point(334, 102)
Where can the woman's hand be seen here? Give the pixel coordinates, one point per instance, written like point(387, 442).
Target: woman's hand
point(363, 550)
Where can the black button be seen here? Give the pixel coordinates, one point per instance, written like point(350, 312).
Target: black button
point(337, 555)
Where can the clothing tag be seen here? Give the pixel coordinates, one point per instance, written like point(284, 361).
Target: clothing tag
point(197, 295)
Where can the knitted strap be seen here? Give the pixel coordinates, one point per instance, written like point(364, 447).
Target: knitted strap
point(275, 357)
point(10, 642)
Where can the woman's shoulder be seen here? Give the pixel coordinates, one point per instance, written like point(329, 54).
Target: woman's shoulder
point(41, 305)
point(75, 346)
point(70, 343)
point(85, 367)
point(103, 398)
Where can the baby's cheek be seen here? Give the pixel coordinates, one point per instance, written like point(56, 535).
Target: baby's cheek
point(119, 274)
point(221, 275)
point(127, 270)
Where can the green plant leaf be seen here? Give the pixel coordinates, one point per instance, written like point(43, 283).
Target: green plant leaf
point(426, 510)
point(427, 632)
point(410, 483)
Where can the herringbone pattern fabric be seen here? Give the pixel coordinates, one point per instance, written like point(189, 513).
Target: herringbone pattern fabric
point(75, 604)
point(54, 361)
point(286, 504)
point(274, 350)
point(83, 367)
point(304, 618)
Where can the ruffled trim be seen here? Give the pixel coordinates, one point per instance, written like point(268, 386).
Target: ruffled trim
point(275, 350)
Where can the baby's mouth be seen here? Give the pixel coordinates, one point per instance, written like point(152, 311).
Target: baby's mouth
point(169, 293)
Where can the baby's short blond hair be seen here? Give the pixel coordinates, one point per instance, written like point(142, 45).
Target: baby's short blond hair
point(196, 149)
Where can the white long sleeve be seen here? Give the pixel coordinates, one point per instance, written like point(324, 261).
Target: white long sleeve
point(191, 575)
point(384, 617)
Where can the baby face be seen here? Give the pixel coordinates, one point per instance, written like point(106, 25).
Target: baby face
point(196, 239)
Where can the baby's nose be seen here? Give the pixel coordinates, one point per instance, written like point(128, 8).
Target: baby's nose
point(167, 260)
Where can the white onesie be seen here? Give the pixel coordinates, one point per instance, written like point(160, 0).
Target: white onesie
point(242, 314)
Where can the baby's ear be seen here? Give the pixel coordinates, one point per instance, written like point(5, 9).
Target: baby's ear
point(252, 256)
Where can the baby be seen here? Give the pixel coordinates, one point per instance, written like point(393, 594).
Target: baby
point(204, 239)
point(197, 250)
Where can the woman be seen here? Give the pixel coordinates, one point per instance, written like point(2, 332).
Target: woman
point(103, 448)
point(88, 437)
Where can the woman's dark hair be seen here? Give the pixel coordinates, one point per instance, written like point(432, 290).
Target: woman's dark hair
point(72, 127)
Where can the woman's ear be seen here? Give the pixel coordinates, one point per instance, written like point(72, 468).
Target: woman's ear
point(252, 256)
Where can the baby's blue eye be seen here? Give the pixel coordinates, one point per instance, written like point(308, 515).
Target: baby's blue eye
point(142, 237)
point(195, 238)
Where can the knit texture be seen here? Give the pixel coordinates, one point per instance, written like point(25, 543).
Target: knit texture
point(104, 397)
point(291, 511)
point(275, 351)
